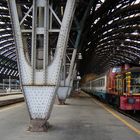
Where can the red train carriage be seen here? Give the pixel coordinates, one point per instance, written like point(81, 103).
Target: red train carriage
point(124, 89)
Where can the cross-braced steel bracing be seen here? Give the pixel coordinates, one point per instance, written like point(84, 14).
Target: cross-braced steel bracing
point(5, 24)
point(105, 20)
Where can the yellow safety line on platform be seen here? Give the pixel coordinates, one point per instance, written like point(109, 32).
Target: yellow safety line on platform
point(118, 117)
point(10, 107)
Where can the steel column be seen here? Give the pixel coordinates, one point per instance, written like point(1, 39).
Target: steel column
point(65, 89)
point(40, 85)
point(66, 83)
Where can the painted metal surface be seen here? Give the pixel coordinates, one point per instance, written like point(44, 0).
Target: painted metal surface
point(66, 87)
point(39, 86)
point(66, 84)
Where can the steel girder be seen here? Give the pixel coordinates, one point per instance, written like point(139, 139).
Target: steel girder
point(66, 83)
point(40, 72)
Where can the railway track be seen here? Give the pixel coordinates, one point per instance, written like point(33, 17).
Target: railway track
point(135, 115)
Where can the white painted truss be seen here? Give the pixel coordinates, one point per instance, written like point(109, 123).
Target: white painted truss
point(65, 86)
point(40, 85)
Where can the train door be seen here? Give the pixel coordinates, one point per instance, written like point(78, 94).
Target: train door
point(127, 82)
point(119, 84)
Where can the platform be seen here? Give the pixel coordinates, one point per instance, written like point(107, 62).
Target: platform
point(83, 118)
point(10, 99)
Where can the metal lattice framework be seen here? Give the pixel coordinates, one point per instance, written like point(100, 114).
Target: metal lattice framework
point(7, 43)
point(111, 36)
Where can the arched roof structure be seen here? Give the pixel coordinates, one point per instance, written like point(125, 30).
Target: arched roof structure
point(8, 63)
point(110, 37)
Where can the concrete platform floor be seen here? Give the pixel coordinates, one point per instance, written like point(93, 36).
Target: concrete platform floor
point(82, 119)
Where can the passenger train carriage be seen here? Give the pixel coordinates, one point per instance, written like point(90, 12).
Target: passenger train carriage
point(121, 89)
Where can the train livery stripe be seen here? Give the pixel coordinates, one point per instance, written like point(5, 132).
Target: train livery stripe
point(118, 117)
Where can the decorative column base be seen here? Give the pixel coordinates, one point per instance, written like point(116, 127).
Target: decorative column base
point(61, 102)
point(62, 94)
point(37, 125)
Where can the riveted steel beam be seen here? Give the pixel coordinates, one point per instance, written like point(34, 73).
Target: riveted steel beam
point(65, 87)
point(40, 75)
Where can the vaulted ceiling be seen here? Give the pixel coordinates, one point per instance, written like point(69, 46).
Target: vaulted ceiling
point(8, 63)
point(110, 37)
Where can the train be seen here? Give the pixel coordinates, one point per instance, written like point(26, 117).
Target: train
point(120, 88)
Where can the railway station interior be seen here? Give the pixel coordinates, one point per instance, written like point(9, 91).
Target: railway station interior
point(70, 69)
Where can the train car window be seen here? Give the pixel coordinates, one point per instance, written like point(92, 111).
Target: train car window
point(98, 83)
point(135, 83)
point(104, 82)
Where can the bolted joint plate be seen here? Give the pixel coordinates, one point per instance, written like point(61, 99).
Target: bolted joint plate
point(40, 100)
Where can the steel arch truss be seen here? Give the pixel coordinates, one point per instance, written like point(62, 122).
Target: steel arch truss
point(8, 62)
point(113, 36)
